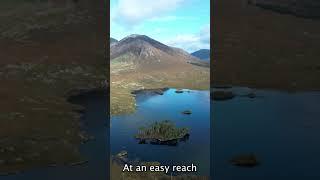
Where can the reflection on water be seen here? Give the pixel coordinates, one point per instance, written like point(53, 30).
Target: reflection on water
point(168, 106)
point(281, 128)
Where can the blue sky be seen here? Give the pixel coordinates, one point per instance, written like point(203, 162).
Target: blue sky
point(179, 23)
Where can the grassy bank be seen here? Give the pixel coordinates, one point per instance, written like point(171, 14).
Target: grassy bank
point(122, 101)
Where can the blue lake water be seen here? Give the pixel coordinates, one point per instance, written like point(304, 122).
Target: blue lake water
point(151, 108)
point(282, 129)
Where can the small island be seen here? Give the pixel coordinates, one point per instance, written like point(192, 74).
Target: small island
point(246, 160)
point(179, 91)
point(188, 112)
point(222, 95)
point(162, 133)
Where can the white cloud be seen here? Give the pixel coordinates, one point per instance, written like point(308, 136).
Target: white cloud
point(171, 18)
point(192, 42)
point(205, 34)
point(163, 19)
point(132, 12)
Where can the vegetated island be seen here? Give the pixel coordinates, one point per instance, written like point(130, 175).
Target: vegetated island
point(162, 133)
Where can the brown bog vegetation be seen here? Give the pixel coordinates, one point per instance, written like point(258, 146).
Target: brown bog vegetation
point(261, 47)
point(48, 49)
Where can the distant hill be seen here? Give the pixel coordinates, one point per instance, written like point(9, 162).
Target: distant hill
point(145, 51)
point(203, 54)
point(113, 41)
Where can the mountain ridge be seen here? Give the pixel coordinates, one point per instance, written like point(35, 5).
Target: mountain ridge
point(141, 49)
point(113, 41)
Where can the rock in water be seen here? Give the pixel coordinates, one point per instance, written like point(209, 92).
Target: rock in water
point(223, 95)
point(248, 160)
point(122, 154)
point(188, 112)
point(251, 95)
point(179, 91)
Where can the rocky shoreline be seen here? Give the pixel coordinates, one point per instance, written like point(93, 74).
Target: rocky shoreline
point(157, 91)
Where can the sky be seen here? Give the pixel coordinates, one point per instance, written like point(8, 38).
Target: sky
point(179, 23)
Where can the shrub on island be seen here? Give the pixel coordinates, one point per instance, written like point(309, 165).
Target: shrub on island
point(163, 133)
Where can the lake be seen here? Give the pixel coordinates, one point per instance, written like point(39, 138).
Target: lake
point(151, 108)
point(282, 129)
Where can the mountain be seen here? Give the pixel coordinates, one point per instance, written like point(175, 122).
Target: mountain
point(144, 51)
point(203, 54)
point(113, 41)
point(140, 62)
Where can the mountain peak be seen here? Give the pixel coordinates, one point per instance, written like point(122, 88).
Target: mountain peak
point(139, 43)
point(135, 35)
point(142, 49)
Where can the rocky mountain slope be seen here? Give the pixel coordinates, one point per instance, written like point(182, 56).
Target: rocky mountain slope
point(143, 51)
point(113, 41)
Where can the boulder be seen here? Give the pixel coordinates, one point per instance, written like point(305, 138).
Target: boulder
point(223, 95)
point(251, 95)
point(246, 160)
point(179, 91)
point(188, 112)
point(122, 154)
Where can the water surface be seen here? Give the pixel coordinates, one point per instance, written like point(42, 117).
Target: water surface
point(281, 128)
point(151, 108)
